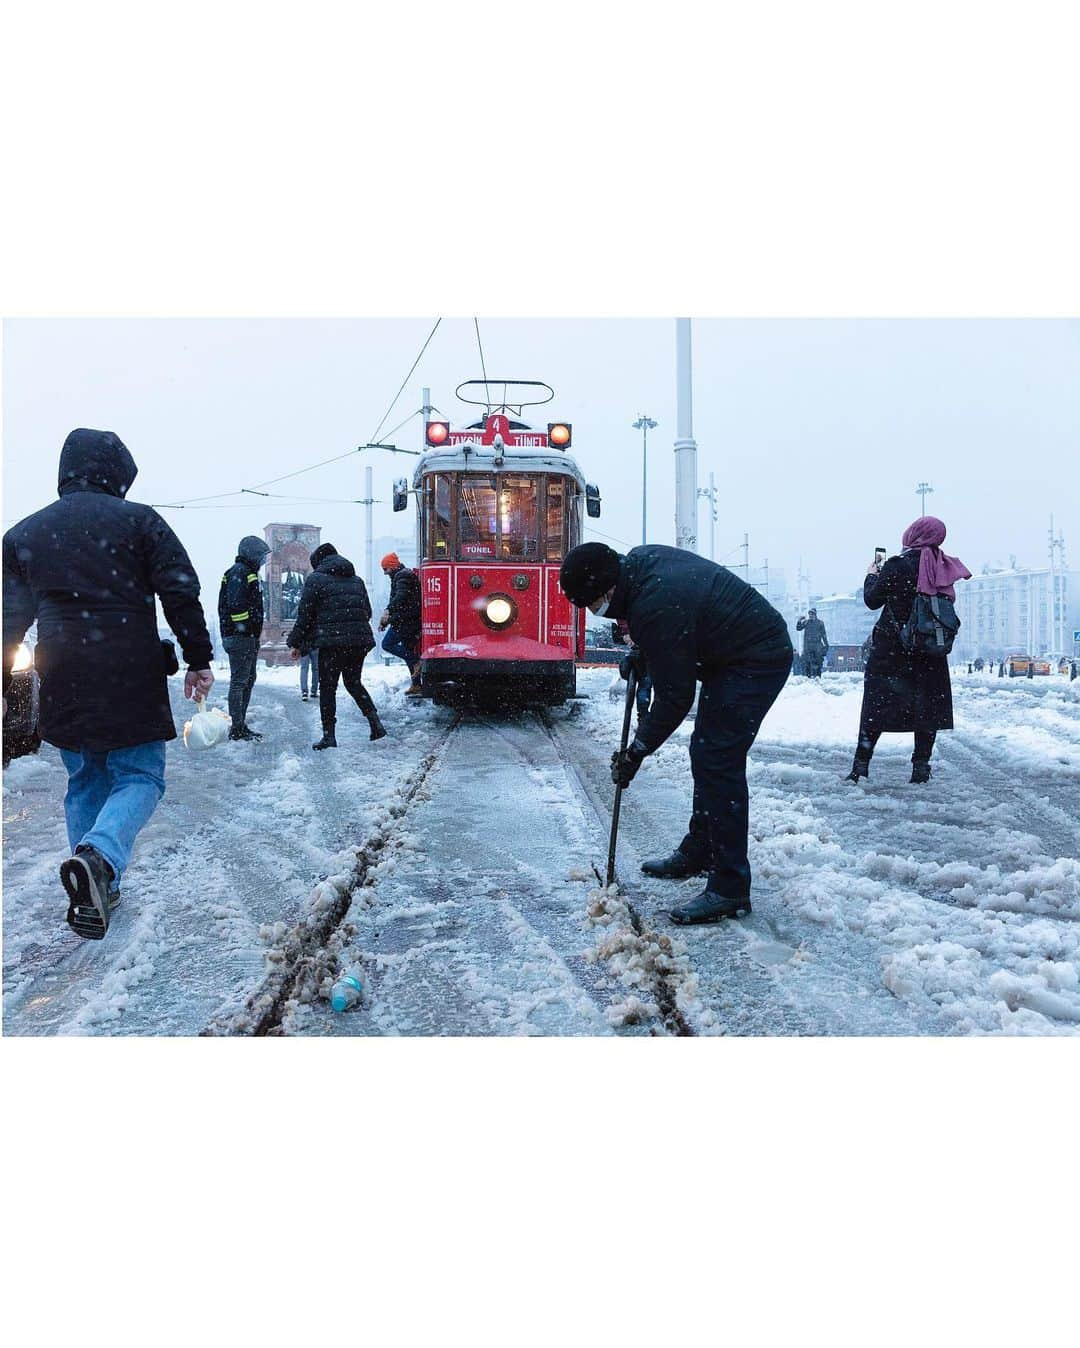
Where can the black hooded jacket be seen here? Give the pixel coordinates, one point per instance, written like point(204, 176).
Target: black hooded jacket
point(87, 568)
point(403, 607)
point(240, 599)
point(334, 608)
point(690, 617)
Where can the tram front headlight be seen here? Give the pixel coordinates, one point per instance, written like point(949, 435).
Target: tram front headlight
point(499, 611)
point(23, 658)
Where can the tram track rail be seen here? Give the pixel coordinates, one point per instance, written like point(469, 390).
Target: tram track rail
point(296, 954)
point(663, 986)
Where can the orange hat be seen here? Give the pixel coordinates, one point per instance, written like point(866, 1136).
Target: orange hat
point(391, 560)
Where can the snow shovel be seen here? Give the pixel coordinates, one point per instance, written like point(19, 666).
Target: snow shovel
point(631, 691)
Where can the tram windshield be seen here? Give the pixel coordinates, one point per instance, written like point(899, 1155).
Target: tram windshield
point(519, 517)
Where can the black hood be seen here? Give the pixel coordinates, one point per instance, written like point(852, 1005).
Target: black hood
point(96, 459)
point(321, 553)
point(336, 565)
point(252, 550)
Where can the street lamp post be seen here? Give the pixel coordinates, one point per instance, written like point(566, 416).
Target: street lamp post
point(644, 424)
point(922, 491)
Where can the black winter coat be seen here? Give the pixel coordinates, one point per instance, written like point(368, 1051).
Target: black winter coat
point(690, 617)
point(815, 641)
point(334, 608)
point(240, 600)
point(87, 568)
point(404, 605)
point(901, 692)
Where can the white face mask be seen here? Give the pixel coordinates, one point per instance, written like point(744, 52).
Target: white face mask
point(603, 607)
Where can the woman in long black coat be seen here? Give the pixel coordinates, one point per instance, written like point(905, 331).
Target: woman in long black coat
point(902, 692)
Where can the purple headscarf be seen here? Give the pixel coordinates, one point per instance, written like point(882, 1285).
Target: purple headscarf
point(936, 570)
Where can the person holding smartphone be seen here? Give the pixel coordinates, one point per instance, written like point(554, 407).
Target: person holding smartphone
point(905, 693)
point(815, 643)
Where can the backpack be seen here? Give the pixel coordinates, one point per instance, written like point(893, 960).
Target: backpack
point(931, 627)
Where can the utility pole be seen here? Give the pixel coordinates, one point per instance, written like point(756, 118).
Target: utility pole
point(746, 557)
point(425, 412)
point(685, 444)
point(923, 490)
point(644, 424)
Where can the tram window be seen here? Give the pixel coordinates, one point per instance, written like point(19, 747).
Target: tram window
point(437, 516)
point(477, 518)
point(518, 517)
point(555, 521)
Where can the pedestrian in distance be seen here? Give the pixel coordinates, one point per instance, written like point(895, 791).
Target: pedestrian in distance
point(401, 619)
point(620, 635)
point(815, 643)
point(240, 613)
point(693, 621)
point(979, 664)
point(335, 616)
point(88, 568)
point(906, 692)
point(309, 664)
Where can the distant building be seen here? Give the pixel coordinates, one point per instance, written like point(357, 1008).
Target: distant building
point(287, 567)
point(1010, 611)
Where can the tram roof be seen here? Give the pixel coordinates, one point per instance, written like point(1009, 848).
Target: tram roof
point(481, 458)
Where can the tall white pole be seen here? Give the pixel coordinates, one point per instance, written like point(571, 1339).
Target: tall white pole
point(425, 411)
point(369, 568)
point(685, 444)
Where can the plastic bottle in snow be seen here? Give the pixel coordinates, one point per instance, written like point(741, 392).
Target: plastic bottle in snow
point(346, 991)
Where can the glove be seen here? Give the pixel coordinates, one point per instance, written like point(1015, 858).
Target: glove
point(624, 765)
point(633, 660)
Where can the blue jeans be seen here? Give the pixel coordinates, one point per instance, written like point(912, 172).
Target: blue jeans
point(310, 662)
point(111, 796)
point(409, 651)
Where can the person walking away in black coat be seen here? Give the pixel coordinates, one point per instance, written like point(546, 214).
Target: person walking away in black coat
point(815, 643)
point(401, 621)
point(335, 616)
point(240, 613)
point(87, 568)
point(906, 693)
point(694, 620)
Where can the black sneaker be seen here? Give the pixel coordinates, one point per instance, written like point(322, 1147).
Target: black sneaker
point(303, 697)
point(678, 866)
point(89, 882)
point(243, 732)
point(708, 906)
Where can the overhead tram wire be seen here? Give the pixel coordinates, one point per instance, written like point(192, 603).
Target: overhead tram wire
point(483, 367)
point(374, 437)
point(373, 443)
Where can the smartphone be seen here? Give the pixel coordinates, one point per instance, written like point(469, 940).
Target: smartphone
point(879, 555)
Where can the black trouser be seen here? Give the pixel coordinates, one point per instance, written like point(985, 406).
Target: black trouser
point(731, 708)
point(644, 694)
point(346, 663)
point(243, 655)
point(813, 665)
point(924, 744)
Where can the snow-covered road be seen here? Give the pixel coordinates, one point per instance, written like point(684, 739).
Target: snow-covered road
point(883, 909)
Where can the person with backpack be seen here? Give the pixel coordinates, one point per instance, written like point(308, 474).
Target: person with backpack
point(88, 568)
point(906, 687)
point(240, 613)
point(335, 616)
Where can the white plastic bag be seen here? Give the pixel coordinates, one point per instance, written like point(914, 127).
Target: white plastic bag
point(207, 727)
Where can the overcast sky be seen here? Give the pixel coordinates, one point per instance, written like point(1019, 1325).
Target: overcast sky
point(817, 430)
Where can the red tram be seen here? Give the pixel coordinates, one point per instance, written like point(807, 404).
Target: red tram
point(499, 505)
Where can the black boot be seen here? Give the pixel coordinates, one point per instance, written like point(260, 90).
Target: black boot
point(920, 770)
point(88, 879)
point(708, 906)
point(378, 730)
point(675, 867)
point(327, 742)
point(860, 767)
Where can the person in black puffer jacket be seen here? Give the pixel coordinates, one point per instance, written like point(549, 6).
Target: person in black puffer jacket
point(88, 568)
point(335, 616)
point(240, 612)
point(401, 621)
point(693, 621)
